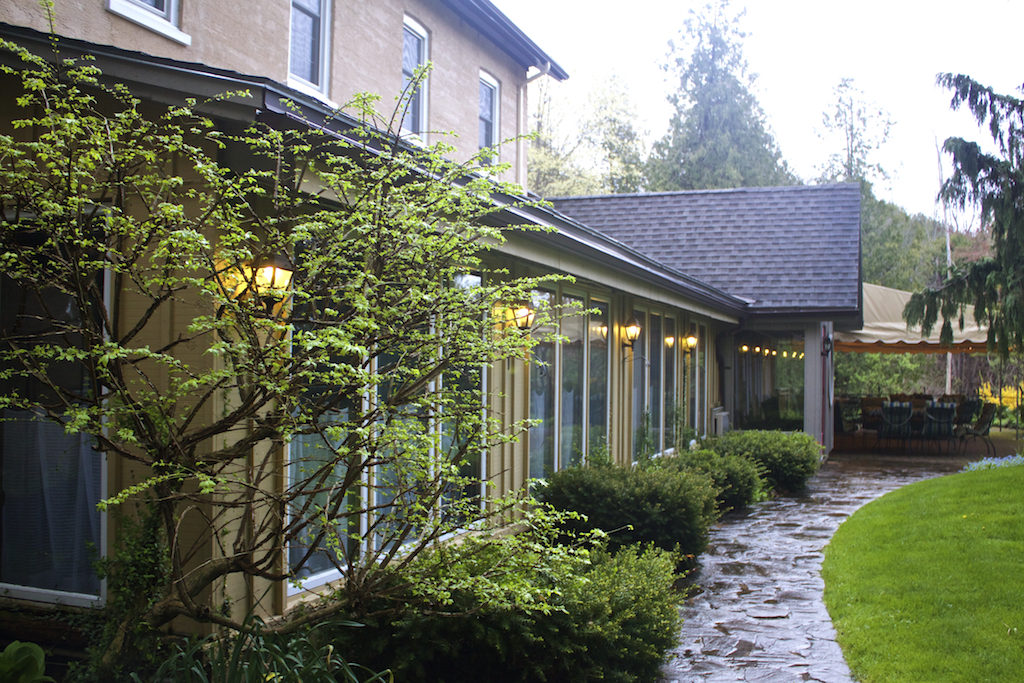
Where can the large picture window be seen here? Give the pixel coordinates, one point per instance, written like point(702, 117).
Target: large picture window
point(654, 383)
point(569, 385)
point(50, 528)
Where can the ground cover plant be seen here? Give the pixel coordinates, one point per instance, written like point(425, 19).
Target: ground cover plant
point(924, 584)
point(992, 463)
point(789, 459)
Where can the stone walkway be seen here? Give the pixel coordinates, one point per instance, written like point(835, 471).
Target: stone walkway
point(759, 615)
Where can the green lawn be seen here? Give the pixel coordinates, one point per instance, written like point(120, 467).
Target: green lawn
point(927, 582)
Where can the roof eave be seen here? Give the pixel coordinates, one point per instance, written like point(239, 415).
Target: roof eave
point(491, 22)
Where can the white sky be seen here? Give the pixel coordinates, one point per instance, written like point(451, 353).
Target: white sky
point(800, 49)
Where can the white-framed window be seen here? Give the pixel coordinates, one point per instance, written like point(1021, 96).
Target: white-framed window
point(370, 514)
point(51, 531)
point(415, 51)
point(655, 381)
point(309, 46)
point(487, 111)
point(160, 16)
point(569, 384)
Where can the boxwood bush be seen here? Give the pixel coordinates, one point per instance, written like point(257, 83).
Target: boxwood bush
point(738, 480)
point(789, 459)
point(670, 508)
point(615, 621)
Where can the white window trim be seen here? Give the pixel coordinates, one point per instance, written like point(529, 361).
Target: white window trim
point(301, 84)
point(496, 111)
point(420, 30)
point(165, 24)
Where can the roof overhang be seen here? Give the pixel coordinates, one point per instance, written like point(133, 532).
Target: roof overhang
point(489, 21)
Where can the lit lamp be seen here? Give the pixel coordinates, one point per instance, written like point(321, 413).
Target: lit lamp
point(691, 342)
point(272, 277)
point(268, 281)
point(670, 342)
point(522, 316)
point(744, 348)
point(632, 332)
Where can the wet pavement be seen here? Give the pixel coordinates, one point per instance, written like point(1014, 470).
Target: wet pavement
point(758, 614)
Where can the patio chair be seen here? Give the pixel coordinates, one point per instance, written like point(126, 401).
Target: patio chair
point(939, 419)
point(871, 413)
point(895, 421)
point(979, 430)
point(966, 410)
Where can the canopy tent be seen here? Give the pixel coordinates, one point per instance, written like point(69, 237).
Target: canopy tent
point(885, 331)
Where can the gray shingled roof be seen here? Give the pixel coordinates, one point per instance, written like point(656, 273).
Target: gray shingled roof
point(786, 249)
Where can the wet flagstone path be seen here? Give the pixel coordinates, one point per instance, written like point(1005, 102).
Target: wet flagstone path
point(759, 614)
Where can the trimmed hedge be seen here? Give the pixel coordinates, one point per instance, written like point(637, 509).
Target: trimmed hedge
point(669, 509)
point(614, 622)
point(789, 459)
point(739, 480)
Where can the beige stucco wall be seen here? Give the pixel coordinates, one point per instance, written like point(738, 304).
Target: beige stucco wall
point(365, 53)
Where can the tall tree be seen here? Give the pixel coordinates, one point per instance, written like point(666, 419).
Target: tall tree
point(897, 249)
point(187, 318)
point(604, 153)
point(618, 143)
point(553, 169)
point(717, 135)
point(994, 181)
point(862, 128)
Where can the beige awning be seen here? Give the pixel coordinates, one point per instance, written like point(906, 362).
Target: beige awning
point(885, 331)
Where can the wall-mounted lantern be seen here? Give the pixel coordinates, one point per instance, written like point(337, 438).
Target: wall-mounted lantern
point(744, 349)
point(826, 345)
point(691, 343)
point(272, 277)
point(632, 332)
point(268, 281)
point(521, 315)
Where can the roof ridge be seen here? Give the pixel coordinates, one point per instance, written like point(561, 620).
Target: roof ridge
point(722, 190)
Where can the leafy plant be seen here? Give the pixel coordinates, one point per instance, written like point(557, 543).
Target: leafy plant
point(671, 509)
point(253, 656)
point(993, 463)
point(612, 619)
point(738, 480)
point(23, 663)
point(788, 459)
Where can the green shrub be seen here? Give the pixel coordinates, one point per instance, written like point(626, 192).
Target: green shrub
point(615, 621)
point(789, 459)
point(739, 480)
point(671, 509)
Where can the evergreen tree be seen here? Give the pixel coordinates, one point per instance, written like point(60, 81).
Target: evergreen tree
point(717, 136)
point(995, 183)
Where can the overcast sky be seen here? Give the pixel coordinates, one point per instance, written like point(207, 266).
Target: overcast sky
point(800, 49)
